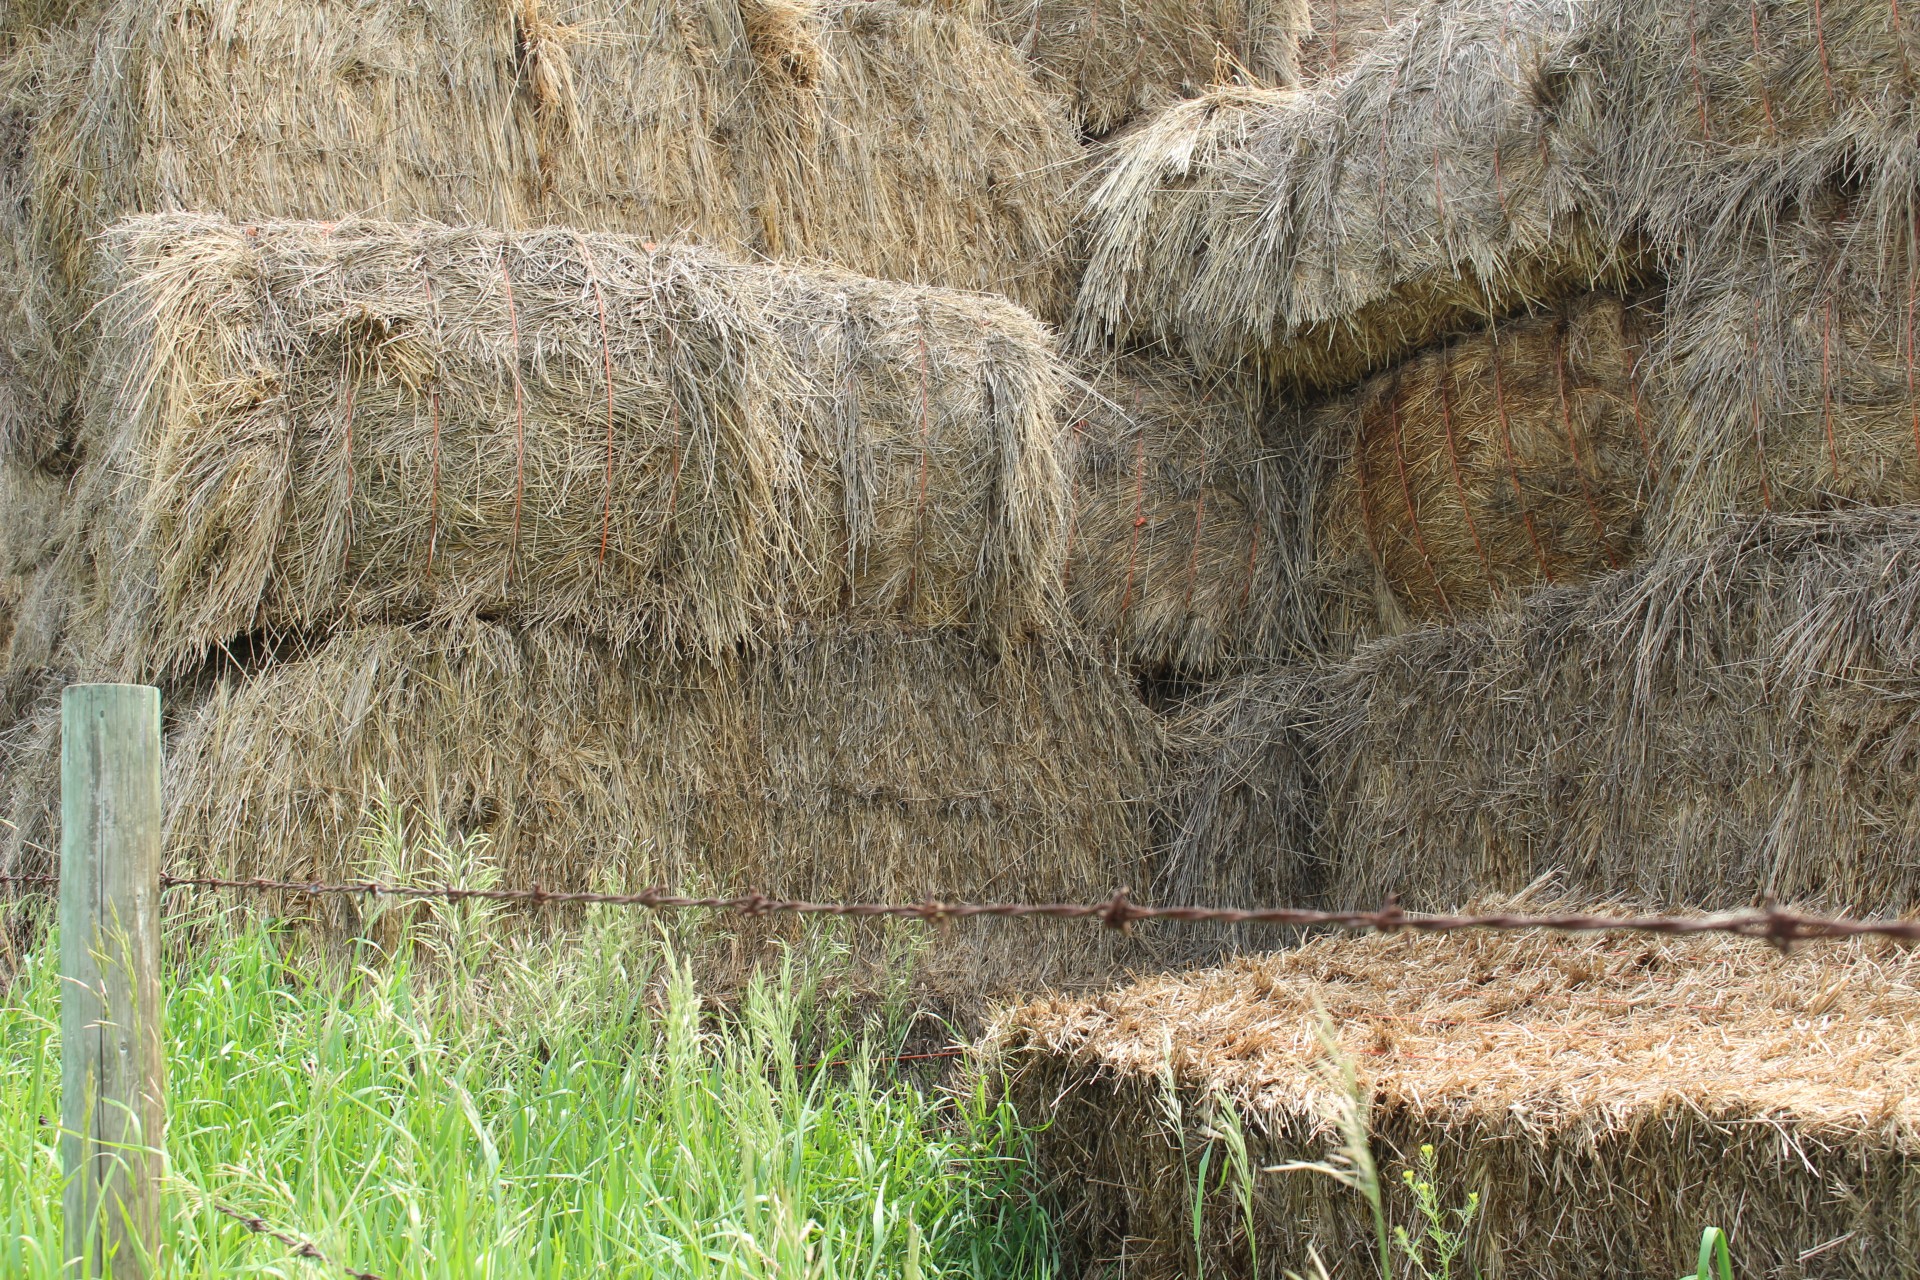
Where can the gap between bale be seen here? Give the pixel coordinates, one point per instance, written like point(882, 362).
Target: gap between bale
point(298, 427)
point(1728, 726)
point(1606, 1099)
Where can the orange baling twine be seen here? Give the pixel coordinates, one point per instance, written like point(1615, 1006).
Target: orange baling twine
point(1513, 464)
point(1766, 99)
point(433, 411)
point(519, 417)
point(1633, 394)
point(1139, 519)
point(1826, 388)
point(1573, 446)
point(1366, 497)
point(1453, 463)
point(606, 370)
point(926, 443)
point(1199, 524)
point(1820, 39)
point(1413, 517)
point(1073, 500)
point(1912, 402)
point(1759, 434)
point(346, 376)
point(1693, 62)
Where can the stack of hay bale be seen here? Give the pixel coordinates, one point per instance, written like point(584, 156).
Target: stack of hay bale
point(472, 409)
point(1591, 331)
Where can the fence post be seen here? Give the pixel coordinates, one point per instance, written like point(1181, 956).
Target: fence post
point(112, 1110)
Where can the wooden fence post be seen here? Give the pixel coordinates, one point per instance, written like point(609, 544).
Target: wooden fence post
point(112, 1111)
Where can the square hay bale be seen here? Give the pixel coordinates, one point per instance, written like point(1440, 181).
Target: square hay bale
point(1317, 235)
point(1341, 32)
point(1705, 122)
point(1723, 727)
point(840, 764)
point(298, 427)
point(1793, 362)
point(1465, 476)
point(849, 131)
point(1181, 550)
point(1605, 1099)
point(1114, 62)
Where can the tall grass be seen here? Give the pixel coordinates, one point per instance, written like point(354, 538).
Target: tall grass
point(470, 1108)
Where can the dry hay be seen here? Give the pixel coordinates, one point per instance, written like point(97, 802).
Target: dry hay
point(1795, 361)
point(301, 426)
point(839, 764)
point(1320, 234)
point(1181, 551)
point(1708, 120)
point(1114, 61)
point(1341, 32)
point(1722, 727)
point(844, 131)
point(1605, 1098)
point(1487, 466)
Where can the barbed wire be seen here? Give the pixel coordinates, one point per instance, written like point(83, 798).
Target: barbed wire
point(300, 1248)
point(1774, 924)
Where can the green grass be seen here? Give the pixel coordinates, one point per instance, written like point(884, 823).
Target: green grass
point(497, 1110)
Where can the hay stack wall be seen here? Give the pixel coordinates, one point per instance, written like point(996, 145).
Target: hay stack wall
point(1716, 729)
point(1318, 235)
point(300, 427)
point(1604, 1100)
point(837, 764)
point(849, 132)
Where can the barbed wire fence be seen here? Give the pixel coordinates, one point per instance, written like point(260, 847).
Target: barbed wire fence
point(1779, 925)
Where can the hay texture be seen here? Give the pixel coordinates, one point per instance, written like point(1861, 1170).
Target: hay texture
point(1733, 725)
point(1341, 31)
point(1320, 234)
point(846, 132)
point(1520, 456)
point(301, 427)
point(1794, 361)
point(1181, 554)
point(1115, 60)
point(840, 764)
point(1709, 121)
point(1605, 1099)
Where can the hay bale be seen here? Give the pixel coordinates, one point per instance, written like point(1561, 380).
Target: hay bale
point(1115, 62)
point(1605, 1099)
point(1180, 552)
point(1723, 727)
point(1318, 235)
point(300, 427)
point(1708, 121)
point(1497, 462)
point(1341, 32)
point(843, 131)
point(1794, 362)
point(863, 764)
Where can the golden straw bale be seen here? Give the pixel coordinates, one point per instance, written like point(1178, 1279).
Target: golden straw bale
point(846, 131)
point(1180, 550)
point(1321, 234)
point(1731, 725)
point(300, 426)
point(1114, 61)
point(866, 764)
point(1487, 466)
point(1794, 360)
point(1605, 1099)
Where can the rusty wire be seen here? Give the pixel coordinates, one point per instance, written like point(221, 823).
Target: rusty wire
point(300, 1248)
point(1780, 925)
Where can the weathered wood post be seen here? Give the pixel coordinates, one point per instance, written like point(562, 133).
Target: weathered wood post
point(112, 1111)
